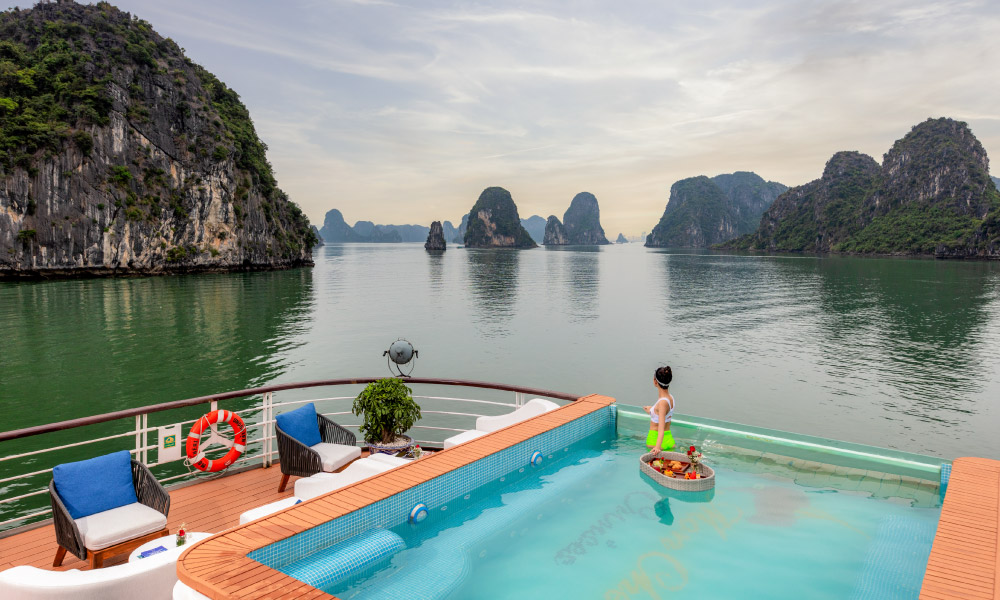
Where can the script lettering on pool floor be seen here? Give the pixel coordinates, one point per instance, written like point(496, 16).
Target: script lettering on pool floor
point(658, 571)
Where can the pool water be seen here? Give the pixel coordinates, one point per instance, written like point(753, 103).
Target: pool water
point(588, 524)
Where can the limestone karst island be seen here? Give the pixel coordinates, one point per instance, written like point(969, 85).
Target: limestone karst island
point(121, 155)
point(465, 300)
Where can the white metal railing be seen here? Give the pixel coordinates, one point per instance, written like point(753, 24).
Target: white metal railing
point(261, 448)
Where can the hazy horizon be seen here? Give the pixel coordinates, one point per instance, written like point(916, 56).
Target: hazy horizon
point(404, 114)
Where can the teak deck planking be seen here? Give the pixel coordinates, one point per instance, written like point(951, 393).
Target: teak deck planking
point(965, 557)
point(218, 567)
point(210, 506)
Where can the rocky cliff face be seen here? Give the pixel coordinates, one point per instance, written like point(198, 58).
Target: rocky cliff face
point(932, 195)
point(821, 214)
point(319, 238)
point(118, 155)
point(335, 230)
point(581, 224)
point(555, 233)
point(621, 239)
point(494, 222)
point(435, 238)
point(704, 211)
point(582, 221)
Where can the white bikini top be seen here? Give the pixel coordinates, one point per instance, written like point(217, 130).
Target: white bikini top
point(655, 418)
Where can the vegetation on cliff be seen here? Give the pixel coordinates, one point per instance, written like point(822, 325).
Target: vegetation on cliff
point(931, 195)
point(494, 222)
point(435, 238)
point(581, 224)
point(124, 155)
point(703, 211)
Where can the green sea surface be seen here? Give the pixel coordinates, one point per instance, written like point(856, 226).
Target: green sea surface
point(898, 353)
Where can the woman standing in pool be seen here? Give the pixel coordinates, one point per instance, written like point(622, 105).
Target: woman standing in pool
point(661, 412)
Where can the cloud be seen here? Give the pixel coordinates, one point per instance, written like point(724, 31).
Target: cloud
point(396, 112)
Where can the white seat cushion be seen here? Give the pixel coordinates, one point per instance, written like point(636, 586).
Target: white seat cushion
point(392, 461)
point(321, 483)
point(367, 466)
point(335, 456)
point(267, 509)
point(107, 528)
point(462, 438)
point(531, 408)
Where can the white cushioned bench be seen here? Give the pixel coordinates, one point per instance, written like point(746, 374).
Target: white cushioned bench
point(321, 483)
point(484, 425)
point(146, 579)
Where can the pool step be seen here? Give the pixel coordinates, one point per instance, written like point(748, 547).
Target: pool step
point(333, 564)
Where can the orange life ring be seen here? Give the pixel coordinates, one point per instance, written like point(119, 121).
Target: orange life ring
point(198, 459)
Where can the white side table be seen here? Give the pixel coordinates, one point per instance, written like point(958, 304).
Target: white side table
point(169, 542)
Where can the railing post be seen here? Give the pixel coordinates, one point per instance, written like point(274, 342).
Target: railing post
point(518, 399)
point(266, 415)
point(145, 439)
point(138, 438)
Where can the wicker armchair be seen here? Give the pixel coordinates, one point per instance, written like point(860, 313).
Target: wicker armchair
point(148, 491)
point(300, 460)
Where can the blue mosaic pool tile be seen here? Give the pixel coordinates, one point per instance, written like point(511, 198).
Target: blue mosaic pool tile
point(435, 493)
point(895, 562)
point(945, 476)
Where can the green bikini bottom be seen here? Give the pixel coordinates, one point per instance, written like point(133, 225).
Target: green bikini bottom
point(668, 439)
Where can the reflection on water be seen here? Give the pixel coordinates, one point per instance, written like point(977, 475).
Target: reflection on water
point(87, 347)
point(494, 278)
point(918, 322)
point(581, 278)
point(902, 353)
point(859, 338)
point(435, 274)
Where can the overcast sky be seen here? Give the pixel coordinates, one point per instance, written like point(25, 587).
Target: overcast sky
point(404, 112)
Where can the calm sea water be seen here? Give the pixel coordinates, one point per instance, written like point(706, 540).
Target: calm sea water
point(890, 352)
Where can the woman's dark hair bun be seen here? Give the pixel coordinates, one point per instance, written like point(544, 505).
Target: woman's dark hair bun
point(663, 376)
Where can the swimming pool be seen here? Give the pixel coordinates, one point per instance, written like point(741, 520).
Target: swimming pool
point(587, 524)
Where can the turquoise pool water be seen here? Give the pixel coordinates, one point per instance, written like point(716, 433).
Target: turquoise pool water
point(587, 524)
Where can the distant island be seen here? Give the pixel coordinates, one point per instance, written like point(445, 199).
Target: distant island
point(581, 224)
point(704, 211)
point(335, 230)
point(494, 222)
point(119, 156)
point(932, 195)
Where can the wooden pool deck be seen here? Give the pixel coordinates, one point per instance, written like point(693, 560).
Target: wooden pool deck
point(965, 560)
point(209, 506)
point(219, 567)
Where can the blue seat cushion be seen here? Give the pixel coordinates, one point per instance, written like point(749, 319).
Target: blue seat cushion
point(301, 424)
point(95, 485)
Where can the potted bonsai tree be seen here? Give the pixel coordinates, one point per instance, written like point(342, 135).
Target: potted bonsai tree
point(389, 411)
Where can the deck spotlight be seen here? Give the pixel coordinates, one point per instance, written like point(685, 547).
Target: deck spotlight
point(400, 353)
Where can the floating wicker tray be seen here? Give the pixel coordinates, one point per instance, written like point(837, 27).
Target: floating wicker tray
point(705, 482)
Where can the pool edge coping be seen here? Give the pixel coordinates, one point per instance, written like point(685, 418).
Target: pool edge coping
point(969, 525)
point(219, 567)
